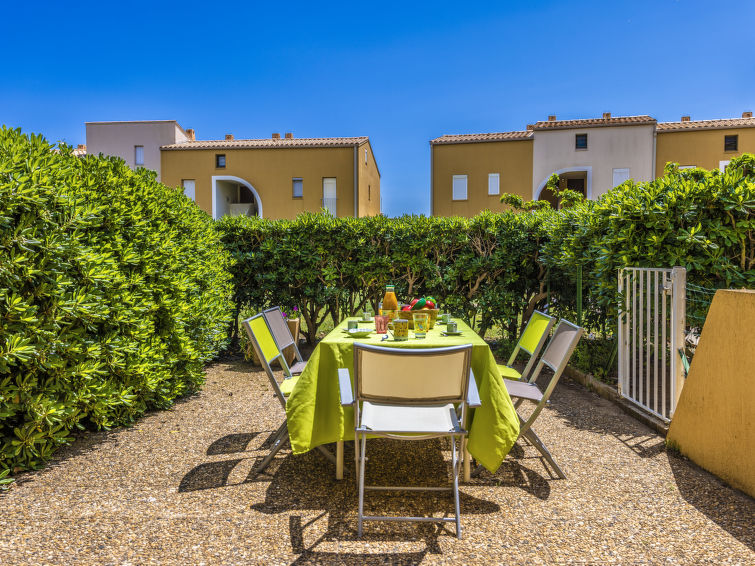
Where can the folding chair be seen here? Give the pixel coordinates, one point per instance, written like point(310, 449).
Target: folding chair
point(531, 341)
point(556, 356)
point(409, 395)
point(267, 352)
point(284, 338)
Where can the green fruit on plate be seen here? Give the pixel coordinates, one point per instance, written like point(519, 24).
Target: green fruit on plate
point(419, 304)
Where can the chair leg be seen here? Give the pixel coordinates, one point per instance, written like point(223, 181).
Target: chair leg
point(455, 467)
point(537, 443)
point(327, 453)
point(361, 482)
point(356, 456)
point(273, 451)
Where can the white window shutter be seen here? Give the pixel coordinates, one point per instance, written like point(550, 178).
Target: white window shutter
point(620, 175)
point(459, 188)
point(494, 183)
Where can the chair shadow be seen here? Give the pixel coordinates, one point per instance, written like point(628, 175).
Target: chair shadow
point(231, 443)
point(210, 475)
point(730, 509)
point(307, 483)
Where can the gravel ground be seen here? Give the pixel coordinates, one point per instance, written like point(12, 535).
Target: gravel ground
point(175, 488)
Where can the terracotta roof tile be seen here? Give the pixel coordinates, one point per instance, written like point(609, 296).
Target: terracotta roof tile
point(481, 138)
point(707, 125)
point(595, 123)
point(267, 143)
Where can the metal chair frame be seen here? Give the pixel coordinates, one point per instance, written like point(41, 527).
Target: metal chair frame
point(355, 396)
point(282, 336)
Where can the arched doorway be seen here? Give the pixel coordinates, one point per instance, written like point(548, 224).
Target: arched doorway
point(577, 179)
point(233, 196)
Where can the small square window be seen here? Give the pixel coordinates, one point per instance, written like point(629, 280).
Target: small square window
point(298, 187)
point(220, 160)
point(580, 141)
point(139, 155)
point(459, 187)
point(731, 143)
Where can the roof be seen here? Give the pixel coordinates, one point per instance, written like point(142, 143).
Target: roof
point(267, 143)
point(481, 138)
point(707, 125)
point(595, 123)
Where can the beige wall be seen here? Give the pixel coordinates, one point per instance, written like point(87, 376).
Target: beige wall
point(702, 148)
point(369, 182)
point(511, 159)
point(120, 138)
point(608, 148)
point(714, 422)
point(270, 172)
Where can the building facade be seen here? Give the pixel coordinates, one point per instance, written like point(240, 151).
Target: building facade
point(275, 178)
point(469, 172)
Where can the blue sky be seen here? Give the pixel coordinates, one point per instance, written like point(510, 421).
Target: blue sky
point(398, 72)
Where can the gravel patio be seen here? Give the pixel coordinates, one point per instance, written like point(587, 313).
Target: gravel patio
point(175, 489)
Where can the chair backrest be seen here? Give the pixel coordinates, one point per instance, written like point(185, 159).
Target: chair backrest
point(422, 376)
point(279, 327)
point(266, 349)
point(556, 356)
point(532, 339)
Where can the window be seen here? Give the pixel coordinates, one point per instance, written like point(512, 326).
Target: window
point(139, 155)
point(494, 183)
point(298, 187)
point(722, 165)
point(369, 192)
point(580, 141)
point(220, 160)
point(189, 191)
point(620, 175)
point(459, 188)
point(365, 157)
point(329, 194)
point(731, 143)
point(687, 166)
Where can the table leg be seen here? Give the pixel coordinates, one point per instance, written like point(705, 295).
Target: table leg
point(339, 460)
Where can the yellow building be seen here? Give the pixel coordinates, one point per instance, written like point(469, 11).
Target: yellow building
point(591, 156)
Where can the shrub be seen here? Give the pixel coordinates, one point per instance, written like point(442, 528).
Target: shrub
point(114, 292)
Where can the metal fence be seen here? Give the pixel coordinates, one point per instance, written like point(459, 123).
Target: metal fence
point(651, 334)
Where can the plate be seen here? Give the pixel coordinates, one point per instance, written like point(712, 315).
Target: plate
point(360, 332)
point(446, 333)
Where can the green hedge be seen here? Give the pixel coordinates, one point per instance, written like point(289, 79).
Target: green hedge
point(495, 268)
point(114, 292)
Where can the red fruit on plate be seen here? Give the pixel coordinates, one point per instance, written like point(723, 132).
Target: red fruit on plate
point(406, 308)
point(430, 305)
point(414, 302)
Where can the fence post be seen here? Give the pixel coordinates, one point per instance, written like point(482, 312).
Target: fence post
point(678, 325)
point(620, 334)
point(579, 295)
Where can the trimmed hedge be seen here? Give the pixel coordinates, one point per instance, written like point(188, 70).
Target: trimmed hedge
point(496, 268)
point(114, 292)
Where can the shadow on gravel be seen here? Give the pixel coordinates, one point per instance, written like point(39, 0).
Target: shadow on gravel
point(210, 475)
point(730, 509)
point(231, 443)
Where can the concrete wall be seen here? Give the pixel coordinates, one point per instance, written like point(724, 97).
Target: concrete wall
point(270, 173)
point(714, 422)
point(608, 148)
point(511, 159)
point(369, 182)
point(703, 148)
point(119, 138)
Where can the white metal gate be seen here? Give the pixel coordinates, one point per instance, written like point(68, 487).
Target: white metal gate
point(651, 332)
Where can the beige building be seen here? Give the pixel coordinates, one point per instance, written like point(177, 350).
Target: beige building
point(469, 172)
point(271, 178)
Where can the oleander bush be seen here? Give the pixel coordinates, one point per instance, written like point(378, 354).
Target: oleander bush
point(114, 292)
point(494, 269)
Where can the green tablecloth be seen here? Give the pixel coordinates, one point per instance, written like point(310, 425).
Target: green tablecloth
point(316, 416)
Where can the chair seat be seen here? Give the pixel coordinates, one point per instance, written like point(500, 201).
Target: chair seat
point(508, 372)
point(523, 390)
point(298, 368)
point(417, 419)
point(287, 385)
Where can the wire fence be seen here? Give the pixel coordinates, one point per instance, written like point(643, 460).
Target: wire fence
point(698, 303)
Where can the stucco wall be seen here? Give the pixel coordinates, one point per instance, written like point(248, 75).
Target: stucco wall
point(270, 172)
point(703, 148)
point(119, 138)
point(511, 159)
point(369, 182)
point(608, 148)
point(714, 422)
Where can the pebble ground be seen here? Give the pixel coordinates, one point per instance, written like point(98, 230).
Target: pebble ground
point(176, 489)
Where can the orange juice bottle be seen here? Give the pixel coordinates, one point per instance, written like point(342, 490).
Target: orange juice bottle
point(390, 302)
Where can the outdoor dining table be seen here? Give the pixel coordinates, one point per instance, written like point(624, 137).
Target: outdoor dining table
point(316, 416)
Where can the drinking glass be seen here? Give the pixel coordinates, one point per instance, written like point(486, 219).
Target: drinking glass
point(400, 329)
point(381, 324)
point(421, 324)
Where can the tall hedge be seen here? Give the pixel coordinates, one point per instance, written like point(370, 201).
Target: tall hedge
point(114, 291)
point(496, 268)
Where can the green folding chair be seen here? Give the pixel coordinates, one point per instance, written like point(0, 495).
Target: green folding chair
point(531, 341)
point(268, 352)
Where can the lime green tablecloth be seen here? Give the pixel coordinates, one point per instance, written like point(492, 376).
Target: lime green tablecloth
point(316, 416)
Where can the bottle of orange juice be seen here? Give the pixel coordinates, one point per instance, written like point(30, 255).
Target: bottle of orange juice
point(390, 302)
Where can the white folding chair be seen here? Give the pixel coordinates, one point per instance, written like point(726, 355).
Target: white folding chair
point(409, 395)
point(531, 341)
point(284, 338)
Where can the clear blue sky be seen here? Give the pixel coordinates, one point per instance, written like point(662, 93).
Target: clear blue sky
point(399, 73)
